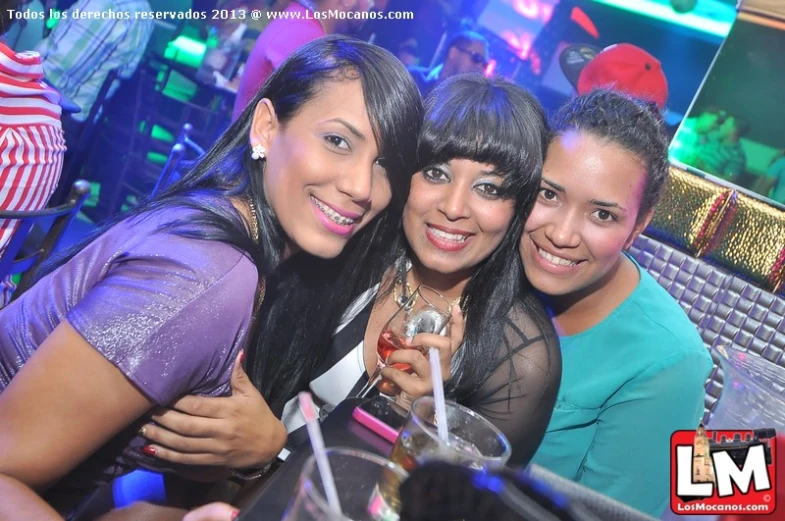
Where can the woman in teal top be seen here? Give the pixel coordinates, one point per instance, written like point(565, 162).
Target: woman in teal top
point(633, 366)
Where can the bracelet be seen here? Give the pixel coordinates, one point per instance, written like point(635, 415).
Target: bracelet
point(247, 475)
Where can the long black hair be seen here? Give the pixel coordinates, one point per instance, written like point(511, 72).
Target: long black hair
point(495, 122)
point(227, 170)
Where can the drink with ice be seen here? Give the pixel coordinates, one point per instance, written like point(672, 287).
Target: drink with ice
point(367, 487)
point(411, 450)
point(472, 440)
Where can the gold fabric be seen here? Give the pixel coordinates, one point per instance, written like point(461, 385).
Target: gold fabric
point(689, 206)
point(752, 242)
point(742, 234)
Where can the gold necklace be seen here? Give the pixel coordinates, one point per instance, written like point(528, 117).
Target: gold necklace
point(254, 219)
point(402, 299)
point(255, 237)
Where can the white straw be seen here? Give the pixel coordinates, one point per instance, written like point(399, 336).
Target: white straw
point(438, 394)
point(317, 442)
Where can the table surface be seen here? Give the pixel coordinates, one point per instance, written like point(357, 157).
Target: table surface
point(339, 430)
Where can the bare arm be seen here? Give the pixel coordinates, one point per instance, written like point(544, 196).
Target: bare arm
point(64, 404)
point(17, 499)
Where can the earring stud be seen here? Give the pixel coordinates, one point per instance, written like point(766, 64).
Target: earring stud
point(258, 152)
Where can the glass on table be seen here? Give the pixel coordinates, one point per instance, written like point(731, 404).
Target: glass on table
point(367, 487)
point(473, 441)
point(426, 311)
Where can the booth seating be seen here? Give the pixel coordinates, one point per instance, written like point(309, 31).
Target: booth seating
point(726, 310)
point(721, 254)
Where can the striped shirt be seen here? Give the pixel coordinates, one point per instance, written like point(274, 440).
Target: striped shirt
point(82, 49)
point(31, 141)
point(724, 160)
point(24, 98)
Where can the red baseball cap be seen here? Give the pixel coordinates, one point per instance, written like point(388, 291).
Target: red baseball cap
point(623, 67)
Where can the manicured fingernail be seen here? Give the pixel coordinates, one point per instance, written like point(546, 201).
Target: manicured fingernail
point(143, 431)
point(242, 356)
point(149, 450)
point(235, 514)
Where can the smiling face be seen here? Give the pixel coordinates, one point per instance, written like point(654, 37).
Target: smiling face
point(585, 214)
point(322, 178)
point(454, 217)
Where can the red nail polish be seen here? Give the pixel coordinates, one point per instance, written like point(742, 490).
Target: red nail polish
point(242, 356)
point(235, 514)
point(149, 450)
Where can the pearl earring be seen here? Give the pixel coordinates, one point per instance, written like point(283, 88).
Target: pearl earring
point(258, 152)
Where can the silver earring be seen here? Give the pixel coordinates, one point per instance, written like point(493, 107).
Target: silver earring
point(258, 152)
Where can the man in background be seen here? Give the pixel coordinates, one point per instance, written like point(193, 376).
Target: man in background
point(287, 33)
point(723, 155)
point(694, 134)
point(80, 52)
point(466, 52)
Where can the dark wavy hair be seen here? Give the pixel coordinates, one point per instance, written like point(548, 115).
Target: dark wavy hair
point(634, 124)
point(227, 170)
point(499, 123)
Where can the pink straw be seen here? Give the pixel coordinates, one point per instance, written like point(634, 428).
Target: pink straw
point(320, 453)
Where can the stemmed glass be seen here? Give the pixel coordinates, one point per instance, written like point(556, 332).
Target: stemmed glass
point(426, 311)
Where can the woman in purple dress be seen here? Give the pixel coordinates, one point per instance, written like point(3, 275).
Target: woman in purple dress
point(162, 302)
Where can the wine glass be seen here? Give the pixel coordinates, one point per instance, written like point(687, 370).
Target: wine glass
point(426, 311)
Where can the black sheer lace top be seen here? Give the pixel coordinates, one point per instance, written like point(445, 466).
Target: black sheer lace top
point(518, 395)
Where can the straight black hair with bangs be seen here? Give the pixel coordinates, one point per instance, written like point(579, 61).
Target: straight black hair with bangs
point(495, 122)
point(227, 171)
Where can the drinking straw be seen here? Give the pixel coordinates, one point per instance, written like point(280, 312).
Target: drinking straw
point(317, 442)
point(438, 395)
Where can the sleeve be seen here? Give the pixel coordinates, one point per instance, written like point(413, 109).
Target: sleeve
point(78, 45)
point(171, 324)
point(133, 44)
point(629, 459)
point(776, 169)
point(521, 392)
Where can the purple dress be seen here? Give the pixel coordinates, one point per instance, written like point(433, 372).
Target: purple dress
point(172, 313)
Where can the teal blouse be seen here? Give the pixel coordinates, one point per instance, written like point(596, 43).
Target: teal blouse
point(627, 384)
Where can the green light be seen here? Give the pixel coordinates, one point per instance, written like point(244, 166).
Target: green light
point(666, 13)
point(161, 134)
point(156, 158)
point(51, 22)
point(186, 51)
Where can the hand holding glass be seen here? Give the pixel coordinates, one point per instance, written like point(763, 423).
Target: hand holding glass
point(426, 311)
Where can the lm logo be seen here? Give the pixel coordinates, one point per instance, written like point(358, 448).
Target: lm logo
point(723, 471)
